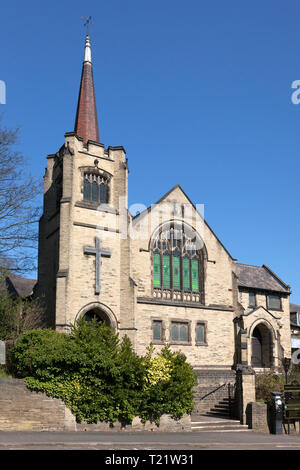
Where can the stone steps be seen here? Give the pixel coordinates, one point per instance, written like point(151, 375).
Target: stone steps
point(209, 424)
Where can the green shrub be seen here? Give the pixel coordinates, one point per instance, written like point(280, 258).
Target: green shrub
point(168, 385)
point(266, 383)
point(100, 378)
point(294, 374)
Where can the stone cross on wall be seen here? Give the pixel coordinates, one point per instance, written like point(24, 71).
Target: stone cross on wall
point(98, 251)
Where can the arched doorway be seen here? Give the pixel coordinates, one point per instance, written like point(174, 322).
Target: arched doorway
point(96, 314)
point(100, 312)
point(261, 347)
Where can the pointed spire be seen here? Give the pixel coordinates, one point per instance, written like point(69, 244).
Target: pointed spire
point(86, 122)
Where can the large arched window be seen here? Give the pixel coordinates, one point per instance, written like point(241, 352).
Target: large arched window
point(178, 263)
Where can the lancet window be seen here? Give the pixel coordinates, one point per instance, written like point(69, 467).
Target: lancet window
point(96, 188)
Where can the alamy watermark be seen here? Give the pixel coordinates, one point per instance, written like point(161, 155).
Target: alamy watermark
point(296, 94)
point(145, 223)
point(296, 357)
point(2, 92)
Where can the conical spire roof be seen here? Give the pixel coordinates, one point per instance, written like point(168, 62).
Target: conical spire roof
point(86, 122)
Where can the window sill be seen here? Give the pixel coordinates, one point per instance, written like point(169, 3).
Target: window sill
point(181, 343)
point(201, 344)
point(96, 206)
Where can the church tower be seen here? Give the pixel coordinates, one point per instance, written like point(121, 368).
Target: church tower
point(84, 262)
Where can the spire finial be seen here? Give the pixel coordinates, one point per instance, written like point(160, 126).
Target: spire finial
point(87, 23)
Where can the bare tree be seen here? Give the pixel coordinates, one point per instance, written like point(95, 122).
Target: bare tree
point(18, 211)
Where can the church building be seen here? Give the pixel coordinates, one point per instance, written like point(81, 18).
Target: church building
point(160, 276)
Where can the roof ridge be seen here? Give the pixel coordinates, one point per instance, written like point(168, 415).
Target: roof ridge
point(276, 277)
point(251, 265)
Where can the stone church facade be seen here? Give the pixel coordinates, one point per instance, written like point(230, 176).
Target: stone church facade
point(161, 276)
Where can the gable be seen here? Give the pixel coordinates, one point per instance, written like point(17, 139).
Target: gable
point(192, 215)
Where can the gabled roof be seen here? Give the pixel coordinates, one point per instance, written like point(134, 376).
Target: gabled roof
point(20, 287)
point(177, 186)
point(259, 277)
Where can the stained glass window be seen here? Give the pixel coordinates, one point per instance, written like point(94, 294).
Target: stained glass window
point(195, 275)
point(176, 272)
point(156, 270)
point(186, 274)
point(166, 271)
point(178, 261)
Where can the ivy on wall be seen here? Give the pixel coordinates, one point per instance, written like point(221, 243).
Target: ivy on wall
point(100, 378)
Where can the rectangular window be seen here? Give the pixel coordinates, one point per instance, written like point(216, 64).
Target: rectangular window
point(274, 302)
point(200, 333)
point(156, 270)
point(157, 330)
point(180, 332)
point(252, 299)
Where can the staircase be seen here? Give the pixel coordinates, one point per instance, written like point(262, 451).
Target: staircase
point(223, 409)
point(204, 423)
point(215, 410)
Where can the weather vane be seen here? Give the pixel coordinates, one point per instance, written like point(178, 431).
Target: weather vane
point(87, 23)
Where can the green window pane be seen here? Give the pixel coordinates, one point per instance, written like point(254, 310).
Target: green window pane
point(176, 272)
point(200, 333)
point(195, 275)
point(166, 271)
point(186, 273)
point(157, 330)
point(156, 270)
point(174, 332)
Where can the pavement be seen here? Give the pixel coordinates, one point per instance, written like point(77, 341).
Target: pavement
point(191, 442)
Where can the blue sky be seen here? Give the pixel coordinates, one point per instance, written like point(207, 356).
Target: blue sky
point(198, 93)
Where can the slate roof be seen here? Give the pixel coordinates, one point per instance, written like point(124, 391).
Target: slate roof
point(19, 286)
point(294, 308)
point(259, 277)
